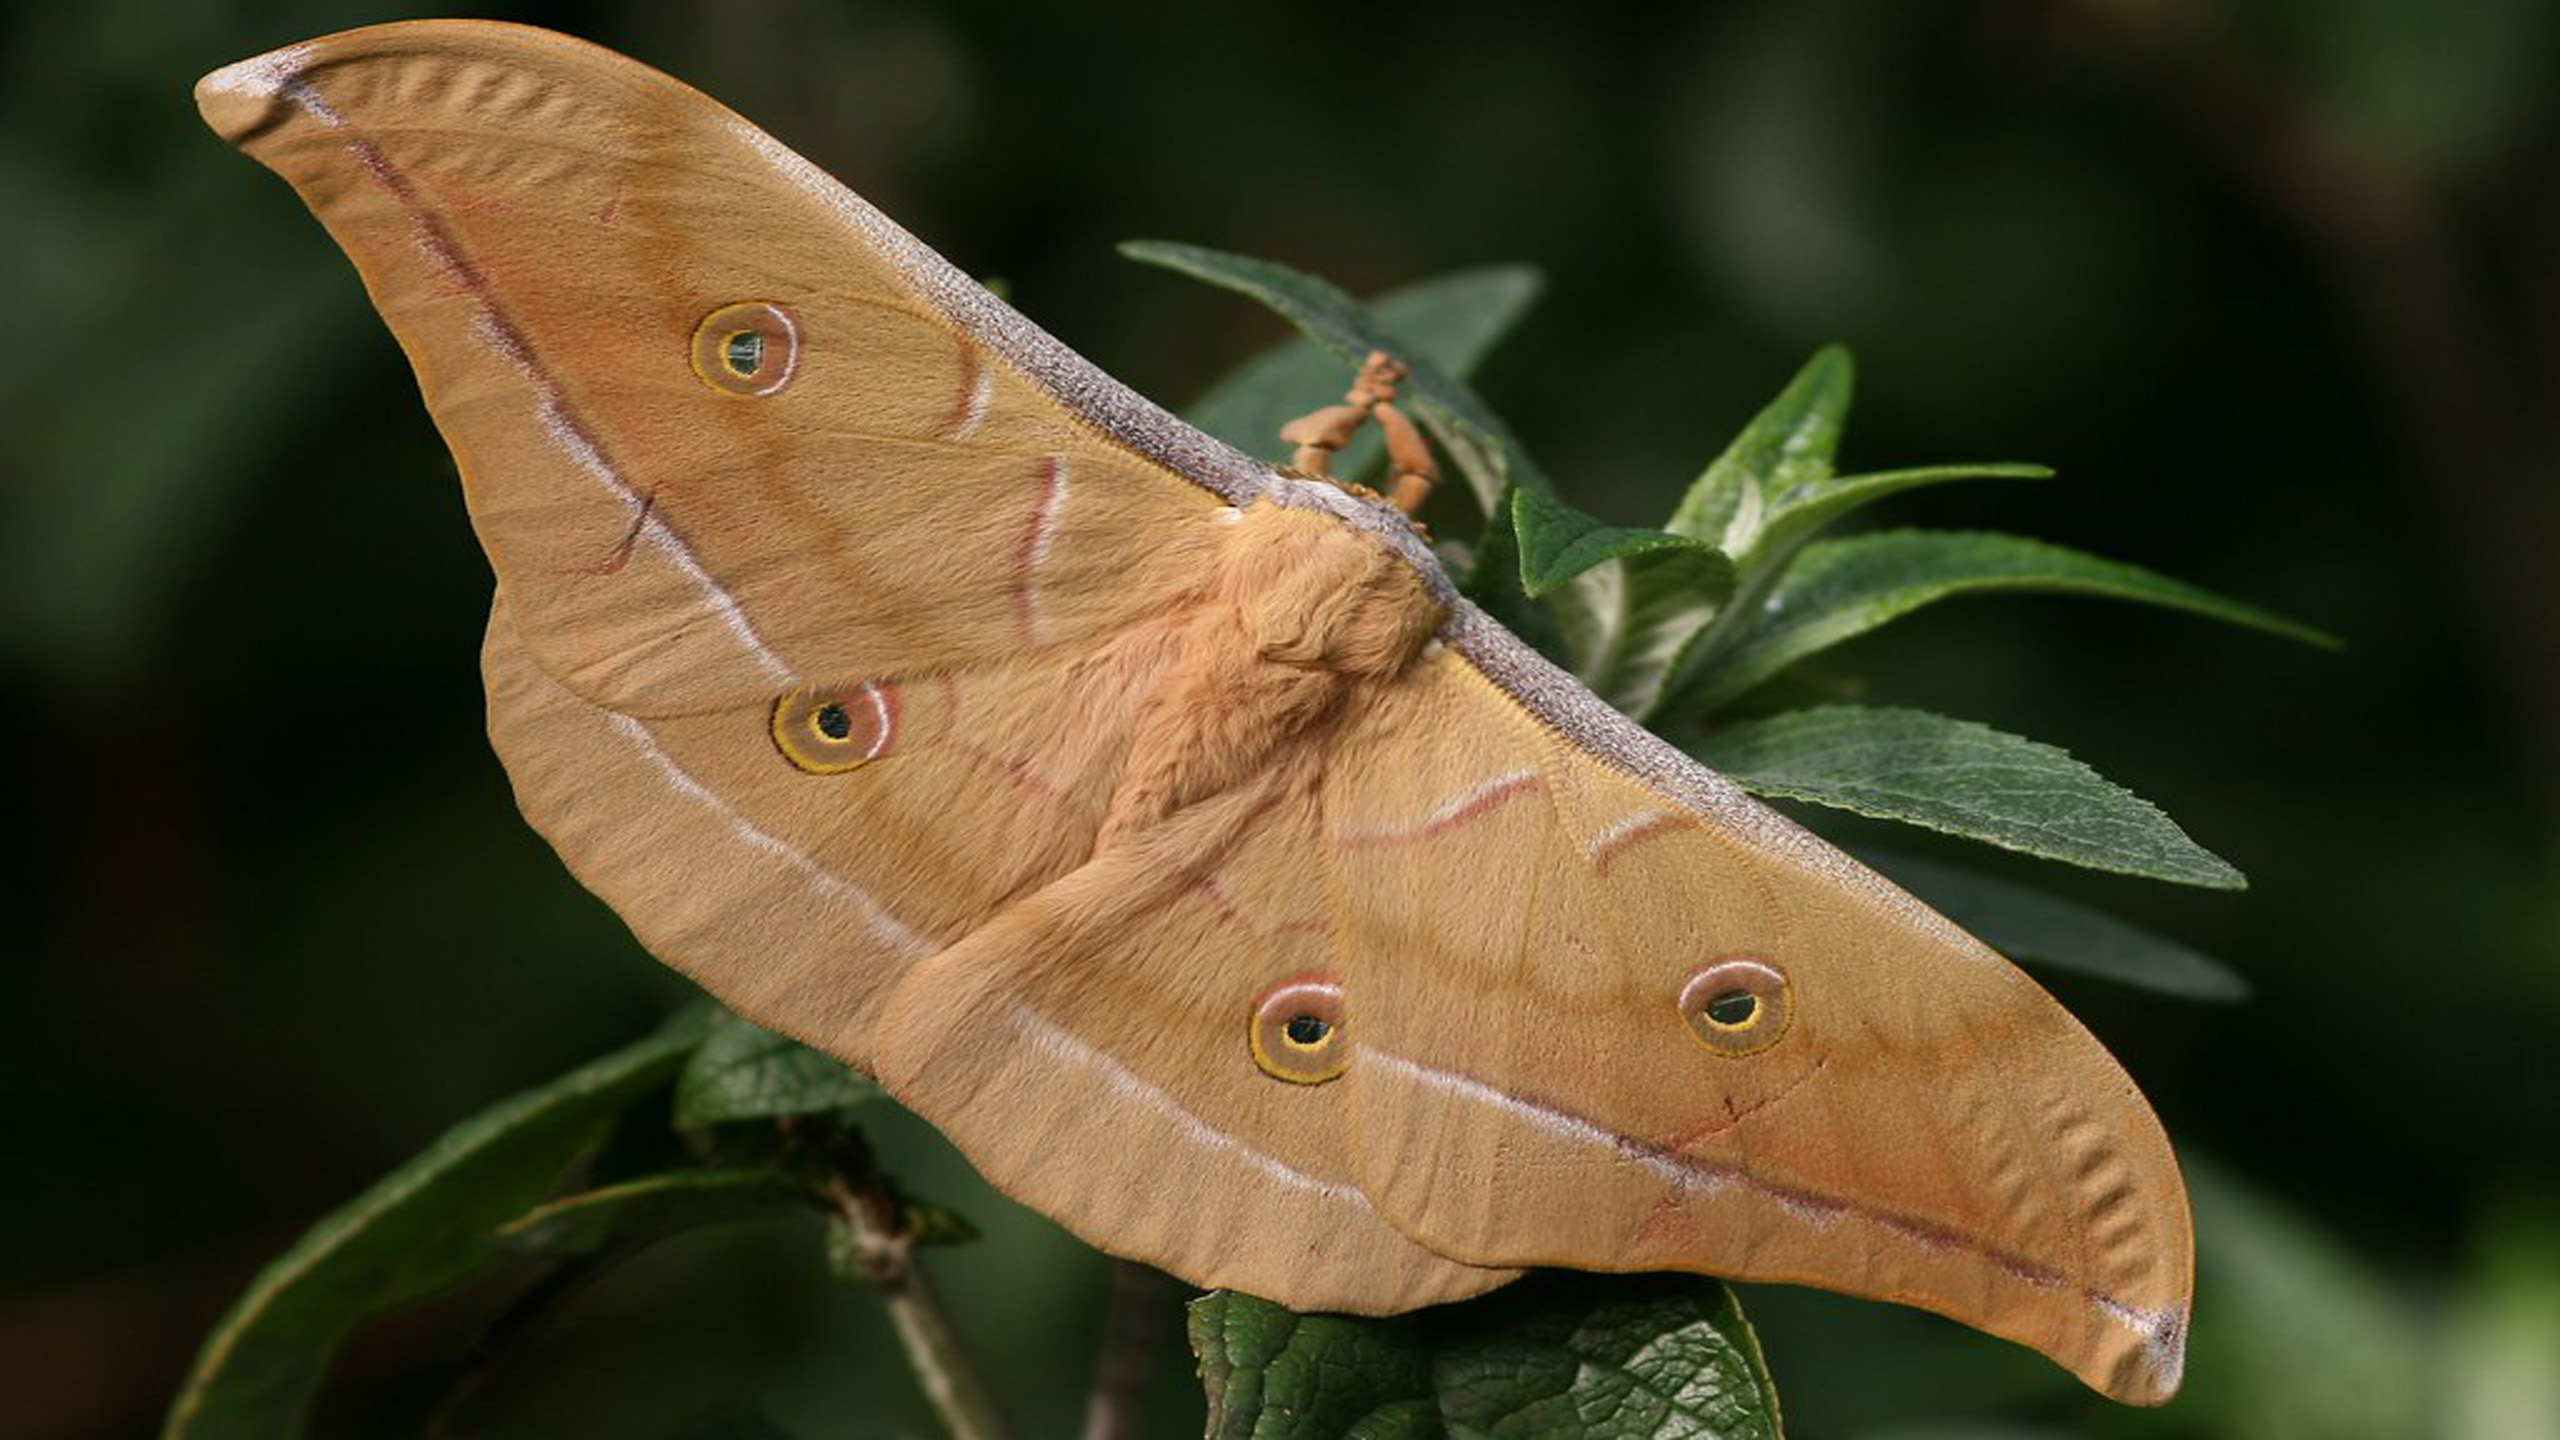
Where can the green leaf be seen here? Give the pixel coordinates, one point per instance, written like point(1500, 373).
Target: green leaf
point(1558, 542)
point(1274, 1374)
point(1667, 600)
point(1964, 779)
point(1492, 581)
point(423, 1228)
point(1837, 589)
point(1790, 523)
point(1645, 592)
point(1556, 1355)
point(654, 1206)
point(1452, 320)
point(2030, 925)
point(1784, 451)
point(743, 1072)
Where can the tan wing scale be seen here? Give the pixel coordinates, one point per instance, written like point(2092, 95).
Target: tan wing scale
point(1929, 1127)
point(1089, 1050)
point(800, 897)
point(547, 226)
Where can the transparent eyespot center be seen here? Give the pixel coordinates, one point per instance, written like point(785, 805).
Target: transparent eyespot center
point(1296, 1031)
point(829, 731)
point(750, 349)
point(1738, 1006)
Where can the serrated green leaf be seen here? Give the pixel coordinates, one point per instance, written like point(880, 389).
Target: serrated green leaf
point(1839, 589)
point(1780, 454)
point(653, 1206)
point(1964, 779)
point(422, 1229)
point(2037, 928)
point(1452, 320)
point(1274, 1374)
point(1597, 1357)
point(745, 1072)
point(1558, 542)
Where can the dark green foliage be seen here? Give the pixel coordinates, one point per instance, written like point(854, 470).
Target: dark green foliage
point(745, 1072)
point(430, 1225)
point(1568, 1357)
point(1964, 779)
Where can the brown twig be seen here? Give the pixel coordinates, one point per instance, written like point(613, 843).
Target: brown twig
point(1133, 1325)
point(885, 1254)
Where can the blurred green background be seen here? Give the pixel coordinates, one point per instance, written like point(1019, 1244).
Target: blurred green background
point(2272, 283)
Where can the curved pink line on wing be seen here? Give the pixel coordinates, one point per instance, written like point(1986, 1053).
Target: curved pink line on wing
point(2162, 1330)
point(1472, 803)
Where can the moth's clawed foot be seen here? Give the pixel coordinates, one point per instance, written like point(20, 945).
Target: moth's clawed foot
point(1371, 398)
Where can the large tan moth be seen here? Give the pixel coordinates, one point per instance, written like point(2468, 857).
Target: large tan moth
point(1161, 824)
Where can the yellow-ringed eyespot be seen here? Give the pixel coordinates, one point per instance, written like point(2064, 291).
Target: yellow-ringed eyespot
point(827, 732)
point(750, 349)
point(1738, 1006)
point(1297, 1031)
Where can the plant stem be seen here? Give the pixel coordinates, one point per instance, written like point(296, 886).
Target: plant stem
point(1132, 1331)
point(882, 1250)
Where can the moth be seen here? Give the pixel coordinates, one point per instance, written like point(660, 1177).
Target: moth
point(1160, 823)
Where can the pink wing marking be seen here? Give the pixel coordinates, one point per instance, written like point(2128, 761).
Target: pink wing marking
point(977, 392)
point(1032, 551)
point(1212, 886)
point(1628, 832)
point(1472, 803)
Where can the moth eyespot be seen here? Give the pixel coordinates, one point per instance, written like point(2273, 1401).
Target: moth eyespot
point(827, 732)
point(1738, 1006)
point(750, 349)
point(1296, 1032)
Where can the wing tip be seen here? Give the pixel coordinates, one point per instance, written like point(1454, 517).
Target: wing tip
point(2150, 1372)
point(243, 98)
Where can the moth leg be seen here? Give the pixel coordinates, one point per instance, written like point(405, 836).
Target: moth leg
point(1371, 397)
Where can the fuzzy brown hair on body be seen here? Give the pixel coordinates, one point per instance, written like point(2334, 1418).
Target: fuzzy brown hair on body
point(1160, 824)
